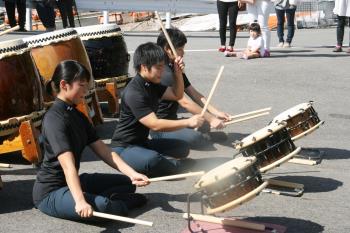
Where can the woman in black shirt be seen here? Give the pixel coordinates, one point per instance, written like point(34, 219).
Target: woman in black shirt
point(58, 190)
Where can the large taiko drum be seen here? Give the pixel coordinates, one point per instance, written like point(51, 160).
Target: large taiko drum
point(271, 145)
point(49, 49)
point(301, 119)
point(20, 89)
point(107, 52)
point(230, 184)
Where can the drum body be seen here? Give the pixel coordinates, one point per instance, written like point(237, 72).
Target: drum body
point(222, 186)
point(20, 87)
point(49, 49)
point(269, 145)
point(106, 49)
point(300, 119)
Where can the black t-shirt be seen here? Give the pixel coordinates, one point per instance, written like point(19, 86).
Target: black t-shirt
point(167, 108)
point(64, 129)
point(139, 99)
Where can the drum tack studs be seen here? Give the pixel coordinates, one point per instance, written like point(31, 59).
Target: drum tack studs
point(254, 139)
point(270, 130)
point(216, 178)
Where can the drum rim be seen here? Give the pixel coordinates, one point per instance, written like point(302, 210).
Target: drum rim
point(210, 177)
point(260, 134)
point(12, 47)
point(51, 37)
point(292, 112)
point(98, 31)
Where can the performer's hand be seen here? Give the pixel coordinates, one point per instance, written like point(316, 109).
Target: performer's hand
point(83, 209)
point(240, 4)
point(223, 116)
point(216, 123)
point(195, 121)
point(139, 179)
point(179, 65)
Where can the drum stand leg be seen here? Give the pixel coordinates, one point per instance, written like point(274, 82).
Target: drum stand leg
point(110, 94)
point(308, 157)
point(285, 188)
point(97, 118)
point(1, 185)
point(26, 142)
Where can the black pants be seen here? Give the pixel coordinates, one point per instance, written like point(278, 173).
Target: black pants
point(340, 30)
point(21, 9)
point(66, 10)
point(230, 9)
point(46, 14)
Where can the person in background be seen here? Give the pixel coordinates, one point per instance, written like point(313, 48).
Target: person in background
point(59, 191)
point(259, 10)
point(10, 6)
point(66, 10)
point(255, 45)
point(342, 10)
point(285, 8)
point(46, 13)
point(230, 8)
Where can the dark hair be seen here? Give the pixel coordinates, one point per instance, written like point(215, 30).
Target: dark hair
point(148, 54)
point(255, 27)
point(68, 71)
point(177, 37)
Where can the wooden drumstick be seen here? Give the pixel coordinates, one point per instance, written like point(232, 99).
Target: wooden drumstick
point(170, 43)
point(9, 30)
point(5, 165)
point(246, 118)
point(250, 113)
point(226, 221)
point(120, 218)
point(173, 177)
point(212, 91)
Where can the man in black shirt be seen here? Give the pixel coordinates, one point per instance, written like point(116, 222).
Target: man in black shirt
point(168, 109)
point(139, 104)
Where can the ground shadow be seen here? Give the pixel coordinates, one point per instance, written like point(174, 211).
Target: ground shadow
point(105, 130)
point(293, 225)
point(334, 153)
point(293, 51)
point(312, 184)
point(14, 158)
point(308, 55)
point(16, 196)
point(232, 138)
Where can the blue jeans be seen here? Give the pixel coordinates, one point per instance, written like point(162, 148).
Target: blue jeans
point(151, 158)
point(97, 189)
point(195, 139)
point(290, 13)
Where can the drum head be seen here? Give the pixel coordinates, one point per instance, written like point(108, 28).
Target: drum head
point(51, 37)
point(292, 112)
point(260, 134)
point(225, 170)
point(98, 31)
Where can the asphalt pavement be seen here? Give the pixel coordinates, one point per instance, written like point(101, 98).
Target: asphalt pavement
point(307, 71)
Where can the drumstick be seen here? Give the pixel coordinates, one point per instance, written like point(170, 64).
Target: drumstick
point(120, 218)
point(9, 30)
point(173, 177)
point(5, 165)
point(250, 113)
point(170, 43)
point(246, 118)
point(226, 221)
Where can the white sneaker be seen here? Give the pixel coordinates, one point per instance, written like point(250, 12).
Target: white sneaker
point(280, 45)
point(286, 45)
